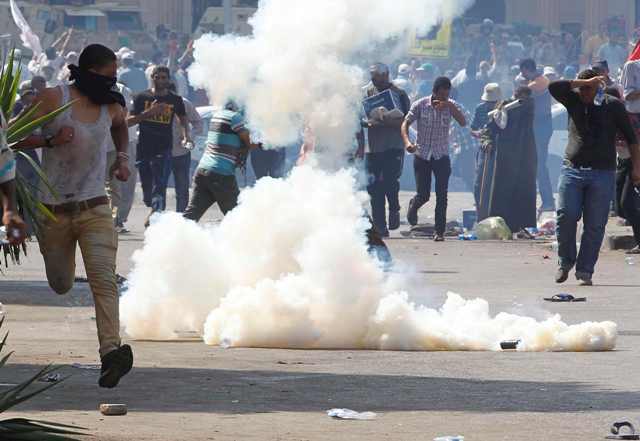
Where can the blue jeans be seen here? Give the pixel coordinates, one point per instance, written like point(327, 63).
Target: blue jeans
point(154, 174)
point(180, 166)
point(583, 194)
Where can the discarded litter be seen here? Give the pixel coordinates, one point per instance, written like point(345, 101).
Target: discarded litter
point(493, 228)
point(630, 260)
point(89, 367)
point(113, 409)
point(468, 236)
point(51, 378)
point(623, 430)
point(509, 345)
point(348, 414)
point(450, 438)
point(565, 298)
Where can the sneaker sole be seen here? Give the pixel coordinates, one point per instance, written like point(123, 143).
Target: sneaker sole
point(113, 376)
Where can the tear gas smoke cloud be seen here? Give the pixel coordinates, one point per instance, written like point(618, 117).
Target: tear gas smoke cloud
point(289, 266)
point(298, 66)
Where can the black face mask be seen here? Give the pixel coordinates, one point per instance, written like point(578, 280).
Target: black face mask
point(98, 88)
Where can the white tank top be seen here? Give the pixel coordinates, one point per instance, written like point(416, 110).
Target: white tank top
point(76, 170)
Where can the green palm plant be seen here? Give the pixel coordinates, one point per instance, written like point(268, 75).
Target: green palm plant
point(18, 129)
point(22, 429)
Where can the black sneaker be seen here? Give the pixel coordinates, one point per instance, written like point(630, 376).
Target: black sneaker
point(394, 220)
point(562, 275)
point(438, 238)
point(412, 213)
point(115, 365)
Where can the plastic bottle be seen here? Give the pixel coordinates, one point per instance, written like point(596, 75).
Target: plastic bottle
point(599, 99)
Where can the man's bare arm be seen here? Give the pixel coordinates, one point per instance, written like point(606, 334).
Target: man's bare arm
point(120, 135)
point(186, 133)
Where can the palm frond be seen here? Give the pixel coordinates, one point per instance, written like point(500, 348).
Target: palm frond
point(22, 429)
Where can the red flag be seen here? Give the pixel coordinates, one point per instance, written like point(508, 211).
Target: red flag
point(635, 53)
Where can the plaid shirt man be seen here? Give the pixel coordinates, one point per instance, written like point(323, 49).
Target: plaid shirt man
point(433, 128)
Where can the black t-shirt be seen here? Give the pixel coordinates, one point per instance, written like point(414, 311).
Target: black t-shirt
point(593, 129)
point(156, 134)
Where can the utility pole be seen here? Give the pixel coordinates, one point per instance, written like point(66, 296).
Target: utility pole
point(228, 16)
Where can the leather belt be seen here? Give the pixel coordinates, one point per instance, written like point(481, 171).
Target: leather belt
point(76, 207)
point(576, 166)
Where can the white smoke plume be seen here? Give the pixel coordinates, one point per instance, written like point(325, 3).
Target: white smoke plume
point(289, 267)
point(297, 69)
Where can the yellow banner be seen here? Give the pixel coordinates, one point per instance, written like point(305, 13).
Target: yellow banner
point(433, 45)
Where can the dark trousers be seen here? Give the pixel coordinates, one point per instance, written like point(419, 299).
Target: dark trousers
point(628, 201)
point(543, 137)
point(208, 188)
point(441, 169)
point(384, 170)
point(585, 194)
point(268, 162)
point(154, 174)
point(485, 161)
point(180, 166)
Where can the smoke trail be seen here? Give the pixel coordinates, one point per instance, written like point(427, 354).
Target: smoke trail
point(289, 266)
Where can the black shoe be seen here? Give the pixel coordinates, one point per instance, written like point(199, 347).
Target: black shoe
point(584, 279)
point(394, 220)
point(562, 275)
point(115, 365)
point(438, 238)
point(412, 213)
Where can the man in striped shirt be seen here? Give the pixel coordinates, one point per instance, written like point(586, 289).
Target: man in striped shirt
point(433, 116)
point(228, 143)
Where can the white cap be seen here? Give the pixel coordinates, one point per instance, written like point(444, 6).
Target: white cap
point(492, 93)
point(549, 70)
point(404, 69)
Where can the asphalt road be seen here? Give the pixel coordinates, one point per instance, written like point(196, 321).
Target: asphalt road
point(186, 390)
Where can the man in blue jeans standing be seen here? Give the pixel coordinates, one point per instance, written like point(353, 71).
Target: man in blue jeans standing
point(587, 180)
point(155, 110)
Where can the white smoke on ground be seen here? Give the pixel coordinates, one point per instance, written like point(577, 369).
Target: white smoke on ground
point(289, 268)
point(297, 68)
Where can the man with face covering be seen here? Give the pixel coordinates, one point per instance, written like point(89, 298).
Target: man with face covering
point(74, 161)
point(587, 179)
point(384, 158)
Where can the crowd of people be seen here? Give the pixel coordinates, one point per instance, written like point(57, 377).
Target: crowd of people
point(125, 117)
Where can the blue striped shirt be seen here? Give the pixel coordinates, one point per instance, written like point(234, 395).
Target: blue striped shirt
point(223, 142)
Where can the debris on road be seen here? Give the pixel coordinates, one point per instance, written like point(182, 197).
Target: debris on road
point(113, 409)
point(623, 430)
point(51, 378)
point(89, 367)
point(509, 345)
point(450, 438)
point(565, 298)
point(348, 414)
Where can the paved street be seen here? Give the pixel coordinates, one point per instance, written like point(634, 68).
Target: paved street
point(185, 390)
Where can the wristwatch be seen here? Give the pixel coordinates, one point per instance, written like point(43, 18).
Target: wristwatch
point(47, 141)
